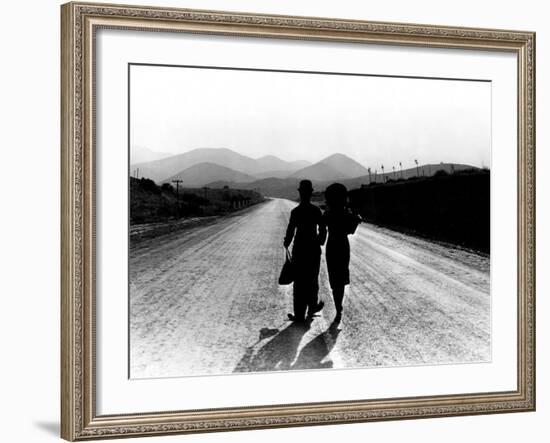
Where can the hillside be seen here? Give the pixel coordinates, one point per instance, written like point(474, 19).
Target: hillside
point(334, 167)
point(204, 173)
point(271, 163)
point(319, 172)
point(273, 174)
point(150, 203)
point(162, 169)
point(453, 208)
point(287, 187)
point(422, 171)
point(345, 165)
point(269, 187)
point(299, 164)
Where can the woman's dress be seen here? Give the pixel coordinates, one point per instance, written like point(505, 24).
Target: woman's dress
point(340, 224)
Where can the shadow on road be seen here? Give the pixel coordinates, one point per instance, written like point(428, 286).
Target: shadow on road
point(280, 353)
point(314, 354)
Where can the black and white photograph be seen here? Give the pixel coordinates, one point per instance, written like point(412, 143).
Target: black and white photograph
point(295, 220)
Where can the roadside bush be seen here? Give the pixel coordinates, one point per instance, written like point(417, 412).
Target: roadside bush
point(449, 207)
point(167, 187)
point(149, 185)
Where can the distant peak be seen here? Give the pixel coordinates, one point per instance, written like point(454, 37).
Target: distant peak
point(337, 156)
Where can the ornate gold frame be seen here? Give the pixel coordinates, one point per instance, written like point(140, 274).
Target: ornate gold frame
point(79, 420)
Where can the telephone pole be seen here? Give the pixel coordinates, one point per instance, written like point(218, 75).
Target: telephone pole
point(177, 182)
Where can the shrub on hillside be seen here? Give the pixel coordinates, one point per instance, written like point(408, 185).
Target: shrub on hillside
point(149, 185)
point(167, 187)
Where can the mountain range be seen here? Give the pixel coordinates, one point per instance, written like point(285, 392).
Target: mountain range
point(218, 167)
point(287, 187)
point(202, 166)
point(203, 173)
point(163, 169)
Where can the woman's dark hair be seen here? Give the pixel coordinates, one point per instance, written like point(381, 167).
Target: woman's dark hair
point(336, 195)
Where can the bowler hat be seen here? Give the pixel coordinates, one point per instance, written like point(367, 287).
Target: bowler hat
point(305, 185)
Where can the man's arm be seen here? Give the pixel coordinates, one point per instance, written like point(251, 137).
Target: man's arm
point(290, 231)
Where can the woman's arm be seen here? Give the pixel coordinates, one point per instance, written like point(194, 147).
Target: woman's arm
point(353, 222)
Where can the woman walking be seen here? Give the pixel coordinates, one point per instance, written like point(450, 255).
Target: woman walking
point(340, 222)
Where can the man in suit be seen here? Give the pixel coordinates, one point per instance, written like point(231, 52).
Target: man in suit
point(309, 233)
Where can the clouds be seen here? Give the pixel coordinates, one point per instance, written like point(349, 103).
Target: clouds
point(374, 120)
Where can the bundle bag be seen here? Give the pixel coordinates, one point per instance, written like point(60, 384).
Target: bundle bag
point(287, 273)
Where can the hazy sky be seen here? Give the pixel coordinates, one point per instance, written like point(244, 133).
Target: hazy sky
point(296, 116)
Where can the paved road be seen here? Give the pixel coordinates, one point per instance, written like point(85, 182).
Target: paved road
point(206, 301)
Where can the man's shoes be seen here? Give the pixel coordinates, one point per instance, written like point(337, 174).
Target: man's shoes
point(312, 312)
point(295, 319)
